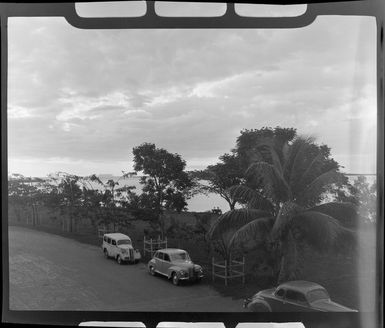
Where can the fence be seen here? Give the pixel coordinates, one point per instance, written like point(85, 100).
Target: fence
point(152, 245)
point(226, 269)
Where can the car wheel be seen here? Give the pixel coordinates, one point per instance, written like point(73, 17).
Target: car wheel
point(259, 307)
point(151, 270)
point(175, 279)
point(106, 253)
point(119, 260)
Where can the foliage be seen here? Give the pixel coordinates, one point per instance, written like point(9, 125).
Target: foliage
point(166, 185)
point(363, 195)
point(282, 210)
point(24, 194)
point(221, 176)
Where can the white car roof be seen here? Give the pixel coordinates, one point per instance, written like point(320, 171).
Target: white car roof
point(117, 235)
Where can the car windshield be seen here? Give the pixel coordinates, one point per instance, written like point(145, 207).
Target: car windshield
point(124, 242)
point(180, 256)
point(317, 294)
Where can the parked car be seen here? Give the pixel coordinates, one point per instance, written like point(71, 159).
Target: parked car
point(119, 247)
point(294, 296)
point(175, 264)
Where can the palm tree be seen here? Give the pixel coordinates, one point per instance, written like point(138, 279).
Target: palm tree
point(286, 210)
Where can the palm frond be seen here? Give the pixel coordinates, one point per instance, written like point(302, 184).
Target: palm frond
point(313, 169)
point(320, 231)
point(256, 231)
point(274, 184)
point(346, 213)
point(242, 193)
point(233, 220)
point(316, 187)
point(295, 159)
point(251, 197)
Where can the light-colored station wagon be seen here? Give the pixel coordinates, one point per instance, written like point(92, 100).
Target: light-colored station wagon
point(119, 247)
point(175, 264)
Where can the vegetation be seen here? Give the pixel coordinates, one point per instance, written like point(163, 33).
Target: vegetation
point(166, 185)
point(285, 193)
point(220, 177)
point(286, 182)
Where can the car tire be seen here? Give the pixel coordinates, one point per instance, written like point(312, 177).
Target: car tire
point(119, 260)
point(106, 253)
point(151, 270)
point(175, 279)
point(259, 307)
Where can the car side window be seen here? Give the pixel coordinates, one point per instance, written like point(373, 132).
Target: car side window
point(167, 257)
point(292, 295)
point(159, 255)
point(280, 293)
point(113, 242)
point(109, 240)
point(105, 238)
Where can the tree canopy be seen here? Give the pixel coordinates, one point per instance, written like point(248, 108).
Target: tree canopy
point(283, 208)
point(166, 184)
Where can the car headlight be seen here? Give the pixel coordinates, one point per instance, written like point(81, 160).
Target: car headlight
point(183, 273)
point(124, 251)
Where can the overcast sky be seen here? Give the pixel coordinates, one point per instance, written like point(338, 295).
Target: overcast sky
point(80, 100)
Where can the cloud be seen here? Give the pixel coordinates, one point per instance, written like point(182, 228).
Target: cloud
point(92, 95)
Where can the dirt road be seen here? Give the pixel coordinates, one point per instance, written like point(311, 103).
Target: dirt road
point(49, 272)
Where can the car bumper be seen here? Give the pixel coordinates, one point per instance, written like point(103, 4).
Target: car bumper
point(193, 278)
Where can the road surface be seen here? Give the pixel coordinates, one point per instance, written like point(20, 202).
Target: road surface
point(49, 272)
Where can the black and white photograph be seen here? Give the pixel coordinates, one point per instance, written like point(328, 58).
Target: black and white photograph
point(192, 170)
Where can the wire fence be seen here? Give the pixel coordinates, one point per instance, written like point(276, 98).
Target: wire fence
point(152, 245)
point(228, 269)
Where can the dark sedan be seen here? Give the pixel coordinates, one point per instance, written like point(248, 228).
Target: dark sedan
point(294, 296)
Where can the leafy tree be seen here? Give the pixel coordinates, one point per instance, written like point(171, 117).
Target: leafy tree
point(111, 203)
point(363, 195)
point(221, 176)
point(283, 213)
point(166, 185)
point(70, 196)
point(24, 194)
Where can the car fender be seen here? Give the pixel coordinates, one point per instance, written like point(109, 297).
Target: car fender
point(259, 301)
point(172, 269)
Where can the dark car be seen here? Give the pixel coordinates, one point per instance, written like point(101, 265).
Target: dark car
point(294, 296)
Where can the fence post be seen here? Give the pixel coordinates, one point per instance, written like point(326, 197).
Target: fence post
point(226, 273)
point(151, 247)
point(212, 269)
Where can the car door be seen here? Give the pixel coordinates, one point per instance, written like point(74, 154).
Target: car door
point(277, 301)
point(158, 261)
point(166, 263)
point(114, 248)
point(108, 246)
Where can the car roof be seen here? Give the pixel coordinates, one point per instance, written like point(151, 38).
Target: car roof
point(117, 235)
point(171, 250)
point(300, 286)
